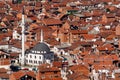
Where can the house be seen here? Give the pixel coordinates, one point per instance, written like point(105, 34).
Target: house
point(23, 75)
point(78, 72)
point(4, 45)
point(52, 22)
point(16, 35)
point(47, 72)
point(4, 54)
point(117, 76)
point(4, 74)
point(78, 76)
point(70, 35)
point(117, 30)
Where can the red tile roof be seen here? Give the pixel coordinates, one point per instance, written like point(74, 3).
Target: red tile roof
point(57, 64)
point(21, 73)
point(51, 21)
point(4, 61)
point(80, 68)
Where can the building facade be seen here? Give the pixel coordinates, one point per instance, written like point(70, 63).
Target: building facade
point(39, 54)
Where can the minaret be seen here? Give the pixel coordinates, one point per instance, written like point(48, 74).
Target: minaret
point(23, 38)
point(41, 36)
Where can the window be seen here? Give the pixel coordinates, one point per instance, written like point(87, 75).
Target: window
point(55, 72)
point(39, 57)
point(26, 61)
point(17, 36)
point(39, 62)
point(30, 56)
point(35, 57)
point(26, 56)
point(34, 61)
point(29, 61)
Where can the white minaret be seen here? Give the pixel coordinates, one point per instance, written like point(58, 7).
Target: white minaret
point(41, 36)
point(23, 39)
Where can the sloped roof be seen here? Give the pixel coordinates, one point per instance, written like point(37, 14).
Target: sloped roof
point(51, 21)
point(21, 73)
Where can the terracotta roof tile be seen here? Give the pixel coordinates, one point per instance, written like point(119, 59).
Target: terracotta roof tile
point(111, 37)
point(79, 31)
point(77, 76)
point(49, 69)
point(89, 36)
point(80, 68)
point(51, 21)
point(90, 58)
point(3, 70)
point(4, 76)
point(57, 64)
point(70, 8)
point(19, 74)
point(5, 61)
point(15, 55)
point(98, 43)
point(84, 53)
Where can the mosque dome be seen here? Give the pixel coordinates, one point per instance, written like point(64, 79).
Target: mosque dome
point(42, 48)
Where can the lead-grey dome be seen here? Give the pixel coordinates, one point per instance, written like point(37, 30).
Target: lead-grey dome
point(41, 47)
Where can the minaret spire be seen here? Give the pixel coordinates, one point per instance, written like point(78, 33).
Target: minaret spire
point(41, 36)
point(23, 38)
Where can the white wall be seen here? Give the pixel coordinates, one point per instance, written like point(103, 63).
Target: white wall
point(14, 49)
point(4, 46)
point(32, 58)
